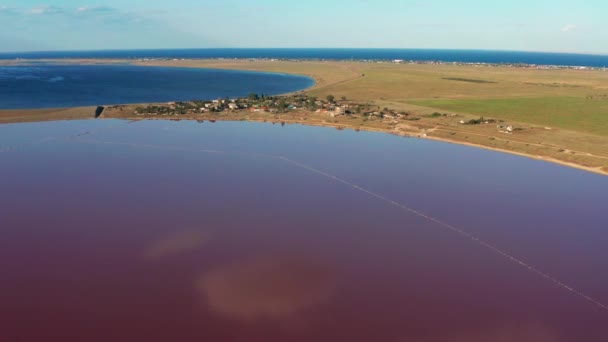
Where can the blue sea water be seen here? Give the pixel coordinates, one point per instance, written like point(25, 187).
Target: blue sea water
point(43, 85)
point(468, 56)
point(52, 86)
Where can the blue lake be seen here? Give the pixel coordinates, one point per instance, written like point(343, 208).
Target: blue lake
point(235, 231)
point(52, 86)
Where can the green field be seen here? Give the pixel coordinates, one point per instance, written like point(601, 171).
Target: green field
point(572, 113)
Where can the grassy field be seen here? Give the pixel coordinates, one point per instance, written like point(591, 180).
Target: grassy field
point(574, 113)
point(434, 82)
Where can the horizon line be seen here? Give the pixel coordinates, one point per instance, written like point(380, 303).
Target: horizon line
point(304, 48)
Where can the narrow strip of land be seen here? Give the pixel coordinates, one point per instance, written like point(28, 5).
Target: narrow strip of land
point(558, 115)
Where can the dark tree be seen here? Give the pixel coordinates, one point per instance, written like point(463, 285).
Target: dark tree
point(282, 105)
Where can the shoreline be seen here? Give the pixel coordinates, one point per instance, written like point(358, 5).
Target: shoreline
point(384, 131)
point(455, 142)
point(296, 121)
point(328, 75)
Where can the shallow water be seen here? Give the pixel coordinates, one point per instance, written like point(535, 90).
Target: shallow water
point(183, 231)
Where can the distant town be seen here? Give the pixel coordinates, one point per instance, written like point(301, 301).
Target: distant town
point(296, 106)
point(400, 61)
point(260, 103)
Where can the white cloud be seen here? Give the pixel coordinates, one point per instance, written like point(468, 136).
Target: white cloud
point(569, 28)
point(95, 9)
point(45, 9)
point(7, 9)
point(106, 14)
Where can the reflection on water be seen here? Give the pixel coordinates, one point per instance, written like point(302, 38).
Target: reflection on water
point(253, 232)
point(523, 332)
point(273, 287)
point(176, 243)
point(507, 332)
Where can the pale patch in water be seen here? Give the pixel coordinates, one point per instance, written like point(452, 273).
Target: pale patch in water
point(267, 288)
point(56, 79)
point(176, 243)
point(27, 77)
point(508, 332)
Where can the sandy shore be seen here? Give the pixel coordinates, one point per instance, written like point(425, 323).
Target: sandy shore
point(47, 114)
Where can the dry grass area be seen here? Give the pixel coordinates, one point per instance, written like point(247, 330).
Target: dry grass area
point(35, 115)
point(412, 81)
point(558, 115)
point(571, 113)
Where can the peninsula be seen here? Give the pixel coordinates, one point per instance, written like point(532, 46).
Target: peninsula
point(549, 113)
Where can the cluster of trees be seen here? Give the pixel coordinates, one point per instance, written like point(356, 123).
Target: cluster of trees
point(475, 121)
point(331, 99)
point(177, 108)
point(282, 103)
point(278, 103)
point(256, 97)
point(153, 109)
point(593, 97)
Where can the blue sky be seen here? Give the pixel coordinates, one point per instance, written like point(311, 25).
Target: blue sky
point(532, 25)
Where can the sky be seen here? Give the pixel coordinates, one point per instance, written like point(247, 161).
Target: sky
point(531, 25)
